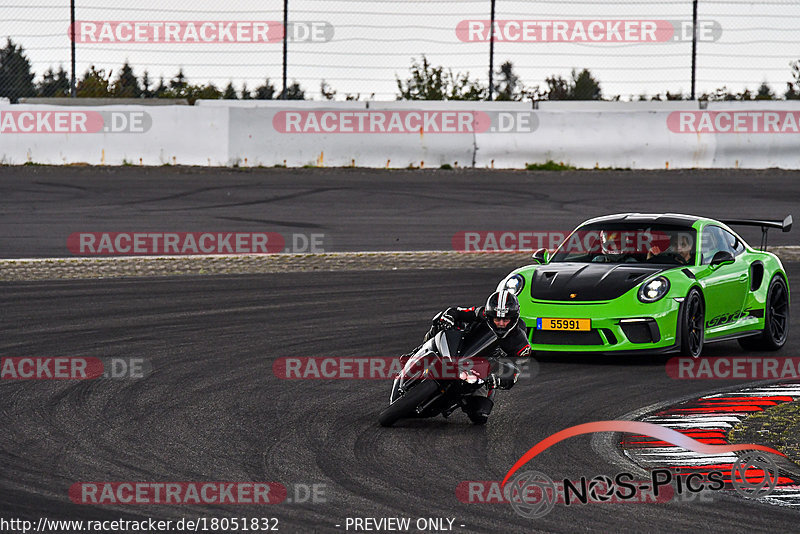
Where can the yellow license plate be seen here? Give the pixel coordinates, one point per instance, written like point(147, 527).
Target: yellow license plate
point(575, 325)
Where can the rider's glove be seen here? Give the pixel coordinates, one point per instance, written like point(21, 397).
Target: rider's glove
point(492, 381)
point(470, 376)
point(496, 381)
point(446, 320)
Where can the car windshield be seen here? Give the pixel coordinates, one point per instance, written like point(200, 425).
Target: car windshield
point(615, 242)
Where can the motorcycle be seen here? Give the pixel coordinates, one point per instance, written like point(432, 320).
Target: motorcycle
point(441, 376)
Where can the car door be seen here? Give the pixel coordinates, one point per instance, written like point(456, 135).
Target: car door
point(725, 286)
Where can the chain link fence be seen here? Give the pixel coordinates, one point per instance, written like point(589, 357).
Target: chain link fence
point(339, 49)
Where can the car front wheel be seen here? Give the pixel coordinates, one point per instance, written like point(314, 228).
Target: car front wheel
point(692, 325)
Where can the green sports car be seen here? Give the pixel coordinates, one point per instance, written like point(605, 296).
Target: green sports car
point(654, 283)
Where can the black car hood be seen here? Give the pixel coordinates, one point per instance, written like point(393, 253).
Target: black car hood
point(588, 281)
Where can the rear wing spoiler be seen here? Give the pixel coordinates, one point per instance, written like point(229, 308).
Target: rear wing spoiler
point(785, 225)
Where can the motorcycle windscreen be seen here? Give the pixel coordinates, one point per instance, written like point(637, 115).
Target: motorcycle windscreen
point(476, 341)
point(448, 342)
point(412, 368)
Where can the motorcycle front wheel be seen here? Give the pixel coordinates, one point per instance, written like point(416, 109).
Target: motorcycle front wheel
point(405, 405)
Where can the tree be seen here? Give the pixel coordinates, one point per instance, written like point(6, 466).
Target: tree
point(126, 85)
point(585, 87)
point(178, 85)
point(557, 88)
point(16, 76)
point(54, 84)
point(793, 87)
point(162, 90)
point(764, 92)
point(460, 87)
point(581, 86)
point(434, 83)
point(294, 92)
point(723, 94)
point(265, 91)
point(207, 92)
point(667, 96)
point(717, 95)
point(246, 95)
point(230, 92)
point(146, 83)
point(327, 92)
point(426, 82)
point(94, 84)
point(509, 87)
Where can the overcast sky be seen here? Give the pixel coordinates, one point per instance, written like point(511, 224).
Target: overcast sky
point(374, 41)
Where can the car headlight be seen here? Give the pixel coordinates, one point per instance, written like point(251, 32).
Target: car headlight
point(515, 284)
point(654, 289)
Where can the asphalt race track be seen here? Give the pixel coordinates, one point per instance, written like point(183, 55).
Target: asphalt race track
point(210, 407)
point(363, 209)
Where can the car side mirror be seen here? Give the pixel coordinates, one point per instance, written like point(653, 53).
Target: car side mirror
point(541, 256)
point(722, 257)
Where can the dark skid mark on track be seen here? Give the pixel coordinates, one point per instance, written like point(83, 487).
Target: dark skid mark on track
point(289, 224)
point(254, 202)
point(185, 194)
point(69, 186)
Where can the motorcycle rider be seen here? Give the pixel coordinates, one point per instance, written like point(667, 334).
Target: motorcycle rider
point(501, 315)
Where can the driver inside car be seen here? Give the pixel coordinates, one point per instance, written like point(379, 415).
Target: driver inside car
point(680, 244)
point(501, 314)
point(614, 248)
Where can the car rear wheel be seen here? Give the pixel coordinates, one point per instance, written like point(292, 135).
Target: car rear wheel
point(776, 319)
point(692, 325)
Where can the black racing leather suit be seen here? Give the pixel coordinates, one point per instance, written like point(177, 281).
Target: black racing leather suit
point(504, 354)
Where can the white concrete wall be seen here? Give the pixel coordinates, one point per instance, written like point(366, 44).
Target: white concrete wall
point(182, 135)
point(402, 134)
